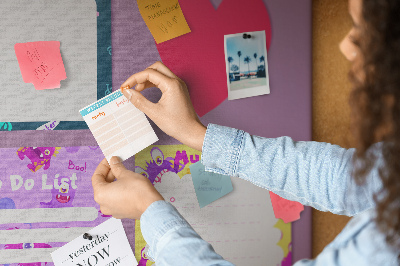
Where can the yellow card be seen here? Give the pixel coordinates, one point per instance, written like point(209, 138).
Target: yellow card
point(164, 18)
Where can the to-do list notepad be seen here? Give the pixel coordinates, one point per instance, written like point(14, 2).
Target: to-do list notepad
point(118, 126)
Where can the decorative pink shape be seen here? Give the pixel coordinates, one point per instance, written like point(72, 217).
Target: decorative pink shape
point(198, 57)
point(284, 209)
point(41, 63)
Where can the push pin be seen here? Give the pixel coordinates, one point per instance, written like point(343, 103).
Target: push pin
point(246, 36)
point(87, 236)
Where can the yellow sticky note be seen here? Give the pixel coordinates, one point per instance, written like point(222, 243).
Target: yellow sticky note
point(164, 18)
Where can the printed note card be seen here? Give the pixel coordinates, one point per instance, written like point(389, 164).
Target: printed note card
point(118, 126)
point(41, 63)
point(108, 246)
point(164, 18)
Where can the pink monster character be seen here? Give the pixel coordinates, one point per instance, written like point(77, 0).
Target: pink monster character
point(39, 156)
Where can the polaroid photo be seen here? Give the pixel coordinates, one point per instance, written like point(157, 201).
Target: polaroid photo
point(246, 64)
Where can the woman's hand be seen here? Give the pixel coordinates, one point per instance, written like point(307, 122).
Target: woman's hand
point(174, 113)
point(127, 197)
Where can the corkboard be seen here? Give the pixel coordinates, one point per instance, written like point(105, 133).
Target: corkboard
point(331, 88)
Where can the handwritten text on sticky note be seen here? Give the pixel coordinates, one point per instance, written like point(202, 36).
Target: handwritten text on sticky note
point(41, 63)
point(209, 186)
point(164, 18)
point(288, 211)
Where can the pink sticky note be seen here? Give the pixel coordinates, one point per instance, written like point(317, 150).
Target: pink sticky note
point(284, 209)
point(198, 57)
point(41, 63)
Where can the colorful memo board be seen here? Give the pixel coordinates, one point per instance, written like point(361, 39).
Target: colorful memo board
point(285, 112)
point(86, 49)
point(52, 179)
point(232, 225)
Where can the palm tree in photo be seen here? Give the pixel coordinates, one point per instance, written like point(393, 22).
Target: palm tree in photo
point(247, 60)
point(230, 60)
point(255, 60)
point(262, 59)
point(239, 55)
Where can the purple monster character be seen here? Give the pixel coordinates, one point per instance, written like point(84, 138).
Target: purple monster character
point(157, 167)
point(62, 196)
point(39, 156)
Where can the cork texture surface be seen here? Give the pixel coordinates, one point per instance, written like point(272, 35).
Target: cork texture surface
point(331, 89)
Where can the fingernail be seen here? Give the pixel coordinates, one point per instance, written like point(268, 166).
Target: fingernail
point(129, 92)
point(125, 88)
point(115, 160)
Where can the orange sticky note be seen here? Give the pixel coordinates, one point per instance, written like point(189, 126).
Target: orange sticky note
point(41, 63)
point(288, 211)
point(164, 18)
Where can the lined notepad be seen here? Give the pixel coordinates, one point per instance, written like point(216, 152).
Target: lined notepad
point(118, 126)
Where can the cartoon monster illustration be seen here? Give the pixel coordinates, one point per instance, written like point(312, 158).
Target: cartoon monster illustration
point(39, 156)
point(157, 167)
point(61, 196)
point(7, 203)
point(154, 171)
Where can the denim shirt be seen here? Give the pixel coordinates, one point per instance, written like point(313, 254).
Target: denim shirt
point(312, 173)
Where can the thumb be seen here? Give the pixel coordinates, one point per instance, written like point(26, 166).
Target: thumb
point(138, 100)
point(117, 167)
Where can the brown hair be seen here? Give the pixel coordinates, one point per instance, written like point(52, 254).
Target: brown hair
point(376, 107)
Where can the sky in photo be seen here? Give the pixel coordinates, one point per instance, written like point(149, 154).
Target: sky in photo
point(248, 47)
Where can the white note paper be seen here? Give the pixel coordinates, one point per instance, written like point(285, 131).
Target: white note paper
point(118, 126)
point(109, 246)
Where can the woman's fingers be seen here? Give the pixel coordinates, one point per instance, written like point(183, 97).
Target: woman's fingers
point(100, 174)
point(143, 86)
point(141, 103)
point(110, 177)
point(159, 80)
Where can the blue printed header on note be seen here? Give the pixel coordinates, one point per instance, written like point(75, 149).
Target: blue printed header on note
point(103, 101)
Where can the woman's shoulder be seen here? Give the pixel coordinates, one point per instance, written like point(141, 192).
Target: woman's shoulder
point(363, 241)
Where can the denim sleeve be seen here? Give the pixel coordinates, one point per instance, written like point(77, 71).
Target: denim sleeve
point(172, 240)
point(312, 173)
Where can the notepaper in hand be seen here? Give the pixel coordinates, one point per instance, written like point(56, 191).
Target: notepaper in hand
point(118, 126)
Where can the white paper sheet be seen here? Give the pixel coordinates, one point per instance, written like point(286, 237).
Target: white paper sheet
point(118, 126)
point(239, 226)
point(109, 246)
